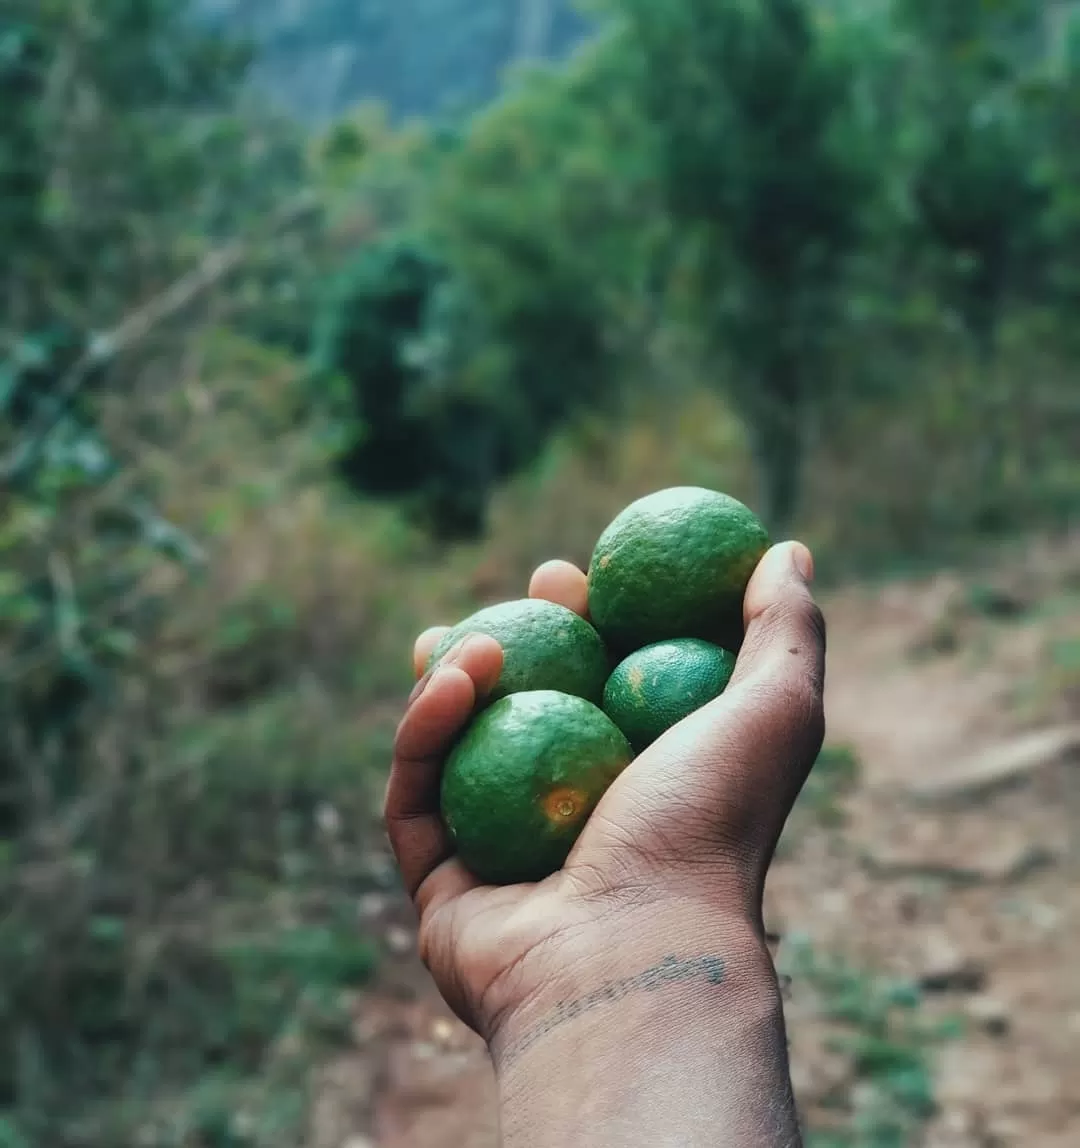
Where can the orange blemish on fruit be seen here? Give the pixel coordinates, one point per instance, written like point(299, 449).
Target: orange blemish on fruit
point(605, 562)
point(563, 805)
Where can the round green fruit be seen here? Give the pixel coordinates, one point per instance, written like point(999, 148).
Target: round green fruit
point(545, 647)
point(656, 687)
point(524, 778)
point(675, 564)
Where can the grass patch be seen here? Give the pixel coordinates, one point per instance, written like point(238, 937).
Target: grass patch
point(878, 1026)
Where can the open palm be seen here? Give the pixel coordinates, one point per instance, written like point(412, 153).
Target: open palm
point(686, 832)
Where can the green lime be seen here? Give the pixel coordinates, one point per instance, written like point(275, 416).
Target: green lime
point(545, 647)
point(675, 564)
point(656, 687)
point(524, 778)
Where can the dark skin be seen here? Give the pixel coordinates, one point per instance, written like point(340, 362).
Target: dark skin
point(630, 999)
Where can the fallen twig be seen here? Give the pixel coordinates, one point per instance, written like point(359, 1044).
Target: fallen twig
point(132, 330)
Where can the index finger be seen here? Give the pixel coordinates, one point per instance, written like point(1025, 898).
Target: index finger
point(434, 718)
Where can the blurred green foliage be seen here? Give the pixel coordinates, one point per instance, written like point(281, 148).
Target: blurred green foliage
point(254, 376)
point(766, 182)
point(502, 311)
point(875, 1025)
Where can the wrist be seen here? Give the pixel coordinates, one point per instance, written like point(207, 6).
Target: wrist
point(602, 992)
point(676, 1036)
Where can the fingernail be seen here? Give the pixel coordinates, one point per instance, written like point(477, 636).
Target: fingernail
point(803, 561)
point(419, 688)
point(460, 649)
point(451, 658)
point(456, 651)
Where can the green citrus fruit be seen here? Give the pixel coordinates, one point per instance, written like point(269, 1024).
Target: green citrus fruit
point(545, 647)
point(523, 779)
point(675, 565)
point(656, 687)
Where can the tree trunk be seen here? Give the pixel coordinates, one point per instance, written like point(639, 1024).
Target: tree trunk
point(777, 437)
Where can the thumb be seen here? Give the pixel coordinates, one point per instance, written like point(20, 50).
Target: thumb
point(785, 629)
point(773, 709)
point(751, 749)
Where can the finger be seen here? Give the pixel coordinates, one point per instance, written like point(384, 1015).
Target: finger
point(752, 747)
point(445, 883)
point(413, 822)
point(413, 819)
point(785, 629)
point(773, 708)
point(425, 647)
point(562, 583)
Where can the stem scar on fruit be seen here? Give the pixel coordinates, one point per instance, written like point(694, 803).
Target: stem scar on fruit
point(564, 804)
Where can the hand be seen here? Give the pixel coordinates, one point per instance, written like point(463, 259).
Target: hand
point(664, 886)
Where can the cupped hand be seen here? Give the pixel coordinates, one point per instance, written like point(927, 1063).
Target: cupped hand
point(677, 849)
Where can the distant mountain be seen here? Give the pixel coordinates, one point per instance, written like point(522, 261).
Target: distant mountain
point(418, 56)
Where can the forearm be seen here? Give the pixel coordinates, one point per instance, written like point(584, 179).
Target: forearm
point(677, 1047)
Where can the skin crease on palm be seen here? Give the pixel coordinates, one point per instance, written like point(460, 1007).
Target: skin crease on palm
point(665, 883)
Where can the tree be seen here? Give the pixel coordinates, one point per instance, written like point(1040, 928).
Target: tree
point(390, 329)
point(118, 135)
point(127, 189)
point(976, 188)
point(979, 202)
point(1056, 102)
point(749, 103)
point(23, 165)
point(470, 339)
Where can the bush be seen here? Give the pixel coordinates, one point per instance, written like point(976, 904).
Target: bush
point(186, 782)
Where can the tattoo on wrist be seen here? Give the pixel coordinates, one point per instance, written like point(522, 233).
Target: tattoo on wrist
point(671, 970)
